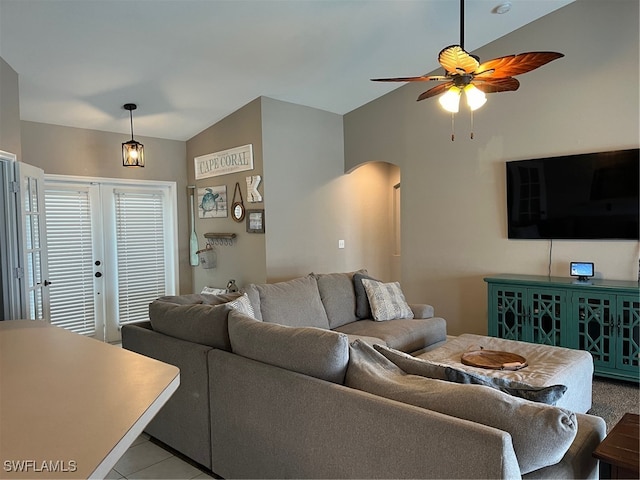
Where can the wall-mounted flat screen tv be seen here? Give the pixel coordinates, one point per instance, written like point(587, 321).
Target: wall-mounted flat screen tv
point(586, 196)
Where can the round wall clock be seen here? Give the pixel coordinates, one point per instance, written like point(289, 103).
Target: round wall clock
point(237, 208)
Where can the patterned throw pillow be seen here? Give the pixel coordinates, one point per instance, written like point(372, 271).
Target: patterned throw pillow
point(243, 305)
point(387, 301)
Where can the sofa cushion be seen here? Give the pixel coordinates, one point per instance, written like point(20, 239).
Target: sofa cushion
point(541, 434)
point(363, 309)
point(198, 323)
point(387, 300)
point(424, 368)
point(295, 303)
point(312, 351)
point(408, 335)
point(338, 296)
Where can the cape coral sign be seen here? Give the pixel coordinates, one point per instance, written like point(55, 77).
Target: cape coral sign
point(233, 160)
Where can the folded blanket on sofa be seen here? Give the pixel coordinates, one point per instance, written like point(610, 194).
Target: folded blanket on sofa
point(541, 434)
point(425, 368)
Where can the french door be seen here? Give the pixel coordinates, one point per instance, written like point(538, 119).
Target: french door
point(32, 273)
point(23, 257)
point(111, 249)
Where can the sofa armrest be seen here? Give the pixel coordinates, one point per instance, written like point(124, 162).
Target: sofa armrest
point(421, 310)
point(183, 422)
point(290, 425)
point(578, 462)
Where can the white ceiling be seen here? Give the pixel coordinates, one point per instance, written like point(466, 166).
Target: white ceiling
point(190, 63)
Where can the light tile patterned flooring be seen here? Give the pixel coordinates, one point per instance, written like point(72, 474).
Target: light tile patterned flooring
point(146, 460)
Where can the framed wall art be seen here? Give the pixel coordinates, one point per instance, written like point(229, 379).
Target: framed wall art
point(212, 202)
point(255, 221)
point(234, 160)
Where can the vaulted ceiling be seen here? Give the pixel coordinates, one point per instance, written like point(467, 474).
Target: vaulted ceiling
point(190, 63)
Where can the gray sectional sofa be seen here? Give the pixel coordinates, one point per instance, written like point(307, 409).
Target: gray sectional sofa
point(284, 381)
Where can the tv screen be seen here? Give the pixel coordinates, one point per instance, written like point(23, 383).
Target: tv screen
point(585, 196)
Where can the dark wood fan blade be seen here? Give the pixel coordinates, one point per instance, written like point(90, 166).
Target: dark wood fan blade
point(437, 90)
point(494, 85)
point(455, 60)
point(424, 78)
point(511, 65)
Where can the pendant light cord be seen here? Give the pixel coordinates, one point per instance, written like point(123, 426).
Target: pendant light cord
point(131, 120)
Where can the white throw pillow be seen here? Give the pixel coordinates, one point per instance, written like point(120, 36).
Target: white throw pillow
point(213, 290)
point(243, 305)
point(386, 300)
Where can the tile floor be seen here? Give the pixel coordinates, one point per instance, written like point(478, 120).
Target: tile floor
point(145, 459)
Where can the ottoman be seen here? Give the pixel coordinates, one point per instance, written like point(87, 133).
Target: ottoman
point(547, 365)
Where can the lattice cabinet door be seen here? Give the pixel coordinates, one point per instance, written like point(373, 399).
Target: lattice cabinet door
point(628, 329)
point(596, 327)
point(507, 312)
point(546, 311)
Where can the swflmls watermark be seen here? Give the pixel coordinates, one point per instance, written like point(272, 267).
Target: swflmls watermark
point(40, 466)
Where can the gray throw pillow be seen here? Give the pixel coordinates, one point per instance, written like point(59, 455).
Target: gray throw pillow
point(549, 395)
point(363, 309)
point(411, 364)
point(541, 434)
point(418, 366)
point(312, 351)
point(338, 296)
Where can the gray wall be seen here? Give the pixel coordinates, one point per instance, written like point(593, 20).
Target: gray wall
point(245, 261)
point(9, 110)
point(81, 152)
point(453, 193)
point(309, 203)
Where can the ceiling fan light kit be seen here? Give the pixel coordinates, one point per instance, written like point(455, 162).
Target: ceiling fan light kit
point(465, 73)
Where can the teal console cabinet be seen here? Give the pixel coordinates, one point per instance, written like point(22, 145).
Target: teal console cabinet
point(601, 317)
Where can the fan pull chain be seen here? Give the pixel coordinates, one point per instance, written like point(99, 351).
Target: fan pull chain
point(453, 136)
point(471, 124)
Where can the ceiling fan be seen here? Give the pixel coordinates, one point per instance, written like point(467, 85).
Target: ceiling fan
point(465, 73)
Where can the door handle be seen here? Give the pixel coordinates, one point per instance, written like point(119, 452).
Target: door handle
point(46, 283)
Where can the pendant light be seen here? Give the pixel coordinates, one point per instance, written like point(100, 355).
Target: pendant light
point(132, 151)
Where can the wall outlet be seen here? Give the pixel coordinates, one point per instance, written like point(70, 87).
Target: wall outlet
point(340, 243)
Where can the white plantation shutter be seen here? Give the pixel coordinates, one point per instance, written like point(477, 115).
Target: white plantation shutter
point(70, 251)
point(140, 244)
